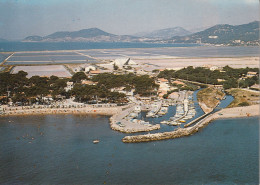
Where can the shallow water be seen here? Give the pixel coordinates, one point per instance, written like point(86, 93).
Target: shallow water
point(225, 152)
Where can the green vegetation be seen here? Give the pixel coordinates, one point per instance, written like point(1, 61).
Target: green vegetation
point(94, 94)
point(243, 97)
point(230, 76)
point(143, 85)
point(77, 77)
point(27, 91)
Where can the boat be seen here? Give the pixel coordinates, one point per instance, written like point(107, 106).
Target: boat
point(96, 141)
point(182, 121)
point(174, 123)
point(164, 122)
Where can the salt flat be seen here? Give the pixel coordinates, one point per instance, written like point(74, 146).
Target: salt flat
point(56, 70)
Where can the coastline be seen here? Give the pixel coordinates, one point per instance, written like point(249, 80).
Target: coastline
point(107, 111)
point(116, 113)
point(236, 112)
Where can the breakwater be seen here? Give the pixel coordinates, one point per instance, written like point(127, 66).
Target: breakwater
point(179, 132)
point(119, 123)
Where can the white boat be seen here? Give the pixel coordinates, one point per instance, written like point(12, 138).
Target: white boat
point(164, 122)
point(96, 141)
point(174, 123)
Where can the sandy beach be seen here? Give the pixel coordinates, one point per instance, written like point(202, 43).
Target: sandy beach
point(25, 111)
point(237, 112)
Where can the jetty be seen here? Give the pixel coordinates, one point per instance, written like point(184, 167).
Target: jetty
point(123, 122)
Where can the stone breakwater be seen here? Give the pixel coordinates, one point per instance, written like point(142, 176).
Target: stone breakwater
point(181, 132)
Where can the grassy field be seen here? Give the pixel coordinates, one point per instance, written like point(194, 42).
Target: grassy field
point(243, 97)
point(210, 96)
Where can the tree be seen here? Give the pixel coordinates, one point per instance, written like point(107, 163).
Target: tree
point(77, 77)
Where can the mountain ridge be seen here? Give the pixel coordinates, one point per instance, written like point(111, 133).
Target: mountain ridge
point(165, 33)
point(220, 34)
point(225, 34)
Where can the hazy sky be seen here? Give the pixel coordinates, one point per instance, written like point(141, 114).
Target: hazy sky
point(21, 18)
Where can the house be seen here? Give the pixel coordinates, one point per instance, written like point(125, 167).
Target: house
point(123, 90)
point(255, 86)
point(94, 73)
point(213, 68)
point(88, 82)
point(69, 86)
point(251, 74)
point(220, 87)
point(220, 80)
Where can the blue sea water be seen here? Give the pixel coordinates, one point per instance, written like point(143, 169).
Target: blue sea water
point(58, 149)
point(42, 46)
point(179, 50)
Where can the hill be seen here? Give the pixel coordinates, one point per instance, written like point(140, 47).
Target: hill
point(165, 33)
point(224, 34)
point(85, 35)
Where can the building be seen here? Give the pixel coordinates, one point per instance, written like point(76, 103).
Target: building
point(255, 86)
point(123, 90)
point(220, 80)
point(69, 86)
point(212, 36)
point(220, 87)
point(213, 68)
point(251, 74)
point(88, 82)
point(90, 68)
point(94, 73)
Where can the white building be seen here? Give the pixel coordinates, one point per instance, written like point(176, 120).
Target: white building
point(213, 68)
point(90, 68)
point(69, 86)
point(123, 90)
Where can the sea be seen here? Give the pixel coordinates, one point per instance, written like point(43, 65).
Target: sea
point(179, 50)
point(59, 149)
